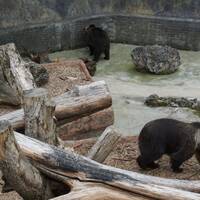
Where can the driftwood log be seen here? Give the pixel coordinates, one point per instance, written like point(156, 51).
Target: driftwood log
point(66, 166)
point(14, 68)
point(74, 106)
point(104, 145)
point(39, 115)
point(17, 170)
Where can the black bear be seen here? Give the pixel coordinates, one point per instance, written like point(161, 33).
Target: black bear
point(98, 42)
point(177, 139)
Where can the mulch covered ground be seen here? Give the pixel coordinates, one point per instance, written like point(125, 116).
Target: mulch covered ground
point(126, 151)
point(64, 75)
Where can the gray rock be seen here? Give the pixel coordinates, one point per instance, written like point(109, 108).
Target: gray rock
point(156, 59)
point(155, 101)
point(39, 73)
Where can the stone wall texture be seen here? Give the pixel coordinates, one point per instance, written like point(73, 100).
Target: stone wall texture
point(39, 25)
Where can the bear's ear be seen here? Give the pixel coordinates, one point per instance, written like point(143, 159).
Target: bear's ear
point(92, 26)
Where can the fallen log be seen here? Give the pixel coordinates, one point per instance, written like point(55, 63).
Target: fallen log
point(78, 129)
point(39, 115)
point(104, 145)
point(14, 69)
point(71, 105)
point(17, 170)
point(88, 191)
point(83, 100)
point(66, 165)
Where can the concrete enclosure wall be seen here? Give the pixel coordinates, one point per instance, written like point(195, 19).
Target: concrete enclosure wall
point(39, 25)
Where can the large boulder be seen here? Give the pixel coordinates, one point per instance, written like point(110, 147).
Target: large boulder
point(156, 59)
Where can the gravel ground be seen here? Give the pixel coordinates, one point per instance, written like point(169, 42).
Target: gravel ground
point(126, 151)
point(64, 75)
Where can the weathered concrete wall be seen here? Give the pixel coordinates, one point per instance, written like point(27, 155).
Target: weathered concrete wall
point(57, 24)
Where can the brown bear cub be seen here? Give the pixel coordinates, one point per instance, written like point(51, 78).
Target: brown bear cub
point(98, 42)
point(177, 139)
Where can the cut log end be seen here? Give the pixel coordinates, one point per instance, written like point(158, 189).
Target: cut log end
point(104, 145)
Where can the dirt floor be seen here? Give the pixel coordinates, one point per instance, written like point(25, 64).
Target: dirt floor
point(10, 196)
point(126, 151)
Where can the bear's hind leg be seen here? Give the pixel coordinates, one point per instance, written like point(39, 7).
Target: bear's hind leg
point(91, 50)
point(147, 162)
point(185, 153)
point(107, 53)
point(97, 54)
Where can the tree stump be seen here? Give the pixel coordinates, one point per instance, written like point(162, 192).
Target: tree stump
point(17, 170)
point(39, 115)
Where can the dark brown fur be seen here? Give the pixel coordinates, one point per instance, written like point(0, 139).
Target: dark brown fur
point(167, 136)
point(98, 42)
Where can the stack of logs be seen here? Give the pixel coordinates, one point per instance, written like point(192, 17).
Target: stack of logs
point(83, 110)
point(37, 169)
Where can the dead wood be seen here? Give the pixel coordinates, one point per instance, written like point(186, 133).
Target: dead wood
point(17, 170)
point(65, 165)
point(72, 105)
point(104, 145)
point(39, 115)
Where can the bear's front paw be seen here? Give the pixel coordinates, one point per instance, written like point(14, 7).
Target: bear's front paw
point(153, 165)
point(178, 170)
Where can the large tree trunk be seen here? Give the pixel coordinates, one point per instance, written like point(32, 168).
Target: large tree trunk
point(17, 170)
point(14, 69)
point(39, 115)
point(82, 101)
point(66, 166)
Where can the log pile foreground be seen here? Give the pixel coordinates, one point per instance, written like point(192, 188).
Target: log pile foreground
point(83, 174)
point(84, 109)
